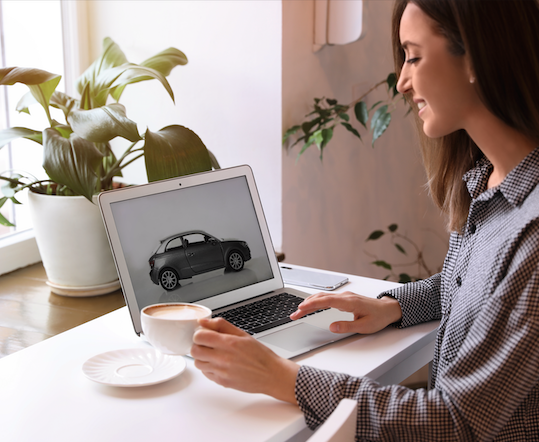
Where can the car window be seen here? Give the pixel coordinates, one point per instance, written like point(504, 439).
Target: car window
point(194, 238)
point(174, 243)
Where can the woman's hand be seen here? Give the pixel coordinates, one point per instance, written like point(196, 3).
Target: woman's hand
point(230, 357)
point(370, 315)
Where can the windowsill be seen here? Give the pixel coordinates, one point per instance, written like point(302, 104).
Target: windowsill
point(17, 251)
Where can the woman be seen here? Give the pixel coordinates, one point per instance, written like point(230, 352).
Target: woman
point(471, 71)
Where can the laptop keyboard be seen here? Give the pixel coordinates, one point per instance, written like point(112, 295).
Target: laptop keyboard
point(265, 314)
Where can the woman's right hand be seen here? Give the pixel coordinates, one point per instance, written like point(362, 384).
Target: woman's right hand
point(370, 314)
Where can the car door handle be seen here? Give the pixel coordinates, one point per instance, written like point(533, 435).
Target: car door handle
point(190, 254)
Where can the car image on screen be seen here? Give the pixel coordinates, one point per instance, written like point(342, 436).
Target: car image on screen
point(187, 254)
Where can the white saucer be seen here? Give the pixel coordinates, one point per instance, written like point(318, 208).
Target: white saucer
point(133, 367)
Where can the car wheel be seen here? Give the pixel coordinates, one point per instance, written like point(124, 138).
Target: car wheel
point(235, 261)
point(169, 279)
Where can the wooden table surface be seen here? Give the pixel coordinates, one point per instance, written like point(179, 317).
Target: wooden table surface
point(31, 313)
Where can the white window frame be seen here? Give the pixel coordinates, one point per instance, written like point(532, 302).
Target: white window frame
point(20, 248)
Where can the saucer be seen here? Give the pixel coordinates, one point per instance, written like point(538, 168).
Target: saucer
point(133, 367)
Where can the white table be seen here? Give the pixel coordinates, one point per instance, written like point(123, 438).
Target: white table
point(44, 396)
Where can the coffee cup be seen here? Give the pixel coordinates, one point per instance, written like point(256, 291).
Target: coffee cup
point(170, 327)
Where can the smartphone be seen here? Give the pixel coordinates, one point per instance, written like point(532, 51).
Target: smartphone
point(312, 278)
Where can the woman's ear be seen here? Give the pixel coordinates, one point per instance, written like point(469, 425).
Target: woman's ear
point(469, 69)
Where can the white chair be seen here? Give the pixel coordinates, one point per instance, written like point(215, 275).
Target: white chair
point(340, 426)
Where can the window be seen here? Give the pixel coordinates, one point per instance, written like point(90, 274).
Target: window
point(32, 35)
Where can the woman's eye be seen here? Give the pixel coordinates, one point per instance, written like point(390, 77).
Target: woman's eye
point(412, 60)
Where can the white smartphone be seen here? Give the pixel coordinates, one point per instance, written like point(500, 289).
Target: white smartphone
point(312, 278)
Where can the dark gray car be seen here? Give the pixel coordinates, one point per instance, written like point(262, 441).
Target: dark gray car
point(187, 254)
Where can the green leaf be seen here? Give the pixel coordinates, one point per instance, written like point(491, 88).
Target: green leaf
point(214, 163)
point(331, 101)
point(10, 188)
point(71, 162)
point(383, 264)
point(327, 134)
point(380, 121)
point(344, 117)
point(129, 74)
point(109, 164)
point(174, 151)
point(318, 138)
point(350, 128)
point(375, 235)
point(3, 220)
point(299, 140)
point(362, 115)
point(64, 130)
point(64, 102)
point(322, 138)
point(8, 135)
point(103, 124)
point(375, 104)
point(110, 57)
point(42, 84)
point(85, 98)
point(392, 83)
point(400, 248)
point(290, 132)
point(308, 125)
point(404, 278)
point(393, 227)
point(166, 60)
point(25, 102)
point(112, 72)
point(309, 142)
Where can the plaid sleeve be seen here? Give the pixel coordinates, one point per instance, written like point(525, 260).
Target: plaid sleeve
point(419, 301)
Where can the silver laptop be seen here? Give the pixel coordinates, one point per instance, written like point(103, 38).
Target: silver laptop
point(203, 239)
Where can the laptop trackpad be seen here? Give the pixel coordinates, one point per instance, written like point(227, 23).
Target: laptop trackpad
point(300, 336)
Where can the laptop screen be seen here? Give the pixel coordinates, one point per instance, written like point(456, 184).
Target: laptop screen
point(191, 243)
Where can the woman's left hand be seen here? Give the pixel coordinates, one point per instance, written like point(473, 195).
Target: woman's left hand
point(230, 357)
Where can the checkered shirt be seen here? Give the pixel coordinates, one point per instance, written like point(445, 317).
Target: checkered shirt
point(486, 361)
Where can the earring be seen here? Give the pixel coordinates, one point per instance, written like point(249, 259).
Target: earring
point(472, 80)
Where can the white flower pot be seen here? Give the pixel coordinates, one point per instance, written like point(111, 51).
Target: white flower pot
point(73, 245)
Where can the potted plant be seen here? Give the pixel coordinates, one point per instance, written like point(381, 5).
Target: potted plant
point(80, 163)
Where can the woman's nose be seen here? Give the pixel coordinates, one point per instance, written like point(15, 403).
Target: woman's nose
point(404, 84)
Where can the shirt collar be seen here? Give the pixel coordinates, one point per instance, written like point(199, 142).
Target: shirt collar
point(515, 187)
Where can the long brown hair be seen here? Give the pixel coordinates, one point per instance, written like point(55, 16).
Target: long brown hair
point(501, 39)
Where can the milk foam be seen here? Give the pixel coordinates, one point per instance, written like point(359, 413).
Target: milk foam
point(177, 312)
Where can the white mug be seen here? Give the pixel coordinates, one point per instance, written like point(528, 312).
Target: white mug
point(170, 327)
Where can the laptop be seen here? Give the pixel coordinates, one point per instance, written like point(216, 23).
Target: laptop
point(203, 239)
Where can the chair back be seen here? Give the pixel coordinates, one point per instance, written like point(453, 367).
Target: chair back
point(340, 426)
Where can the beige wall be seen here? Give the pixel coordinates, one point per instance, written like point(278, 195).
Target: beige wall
point(331, 206)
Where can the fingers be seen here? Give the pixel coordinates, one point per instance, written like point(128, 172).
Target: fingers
point(221, 325)
point(311, 304)
point(341, 301)
point(215, 334)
